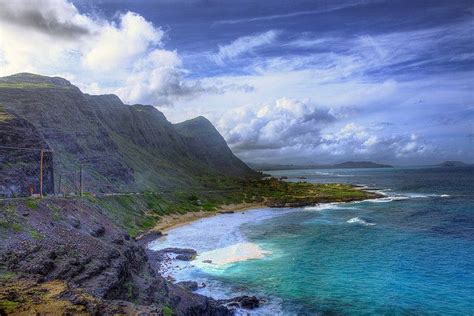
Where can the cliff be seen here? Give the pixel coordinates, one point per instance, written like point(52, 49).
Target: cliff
point(120, 148)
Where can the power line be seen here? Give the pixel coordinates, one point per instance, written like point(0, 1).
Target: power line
point(22, 148)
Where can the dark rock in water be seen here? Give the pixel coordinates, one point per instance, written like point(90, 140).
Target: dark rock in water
point(182, 253)
point(207, 261)
point(226, 212)
point(185, 257)
point(188, 285)
point(247, 302)
point(149, 237)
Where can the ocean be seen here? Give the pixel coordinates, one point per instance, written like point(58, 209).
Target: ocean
point(411, 252)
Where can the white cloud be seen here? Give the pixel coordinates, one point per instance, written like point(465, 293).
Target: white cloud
point(243, 45)
point(291, 130)
point(285, 122)
point(123, 56)
point(114, 45)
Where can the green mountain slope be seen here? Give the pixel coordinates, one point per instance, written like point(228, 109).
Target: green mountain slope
point(119, 147)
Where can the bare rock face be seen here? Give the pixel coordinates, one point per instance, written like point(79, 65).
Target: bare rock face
point(20, 146)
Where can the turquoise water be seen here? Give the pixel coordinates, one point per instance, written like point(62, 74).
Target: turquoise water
point(409, 253)
point(417, 258)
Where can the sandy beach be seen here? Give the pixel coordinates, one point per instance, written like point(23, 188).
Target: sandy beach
point(172, 221)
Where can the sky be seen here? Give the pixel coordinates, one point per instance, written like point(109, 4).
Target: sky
point(285, 82)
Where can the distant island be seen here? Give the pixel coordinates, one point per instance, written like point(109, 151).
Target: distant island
point(453, 163)
point(342, 165)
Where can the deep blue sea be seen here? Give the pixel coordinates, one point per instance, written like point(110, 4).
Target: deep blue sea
point(410, 253)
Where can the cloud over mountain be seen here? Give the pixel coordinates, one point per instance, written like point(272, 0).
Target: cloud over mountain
point(299, 129)
point(125, 55)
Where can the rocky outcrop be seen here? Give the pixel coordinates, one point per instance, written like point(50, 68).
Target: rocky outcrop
point(247, 302)
point(73, 241)
point(188, 285)
point(182, 254)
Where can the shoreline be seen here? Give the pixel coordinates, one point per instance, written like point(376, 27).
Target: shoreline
point(172, 221)
point(169, 222)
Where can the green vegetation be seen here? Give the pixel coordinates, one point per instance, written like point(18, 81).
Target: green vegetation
point(167, 311)
point(32, 203)
point(29, 85)
point(6, 275)
point(139, 212)
point(4, 116)
point(36, 235)
point(9, 220)
point(276, 192)
point(8, 306)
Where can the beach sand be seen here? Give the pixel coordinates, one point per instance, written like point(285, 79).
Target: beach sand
point(172, 221)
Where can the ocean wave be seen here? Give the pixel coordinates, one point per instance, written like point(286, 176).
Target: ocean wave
point(405, 196)
point(322, 207)
point(320, 173)
point(387, 199)
point(426, 195)
point(360, 221)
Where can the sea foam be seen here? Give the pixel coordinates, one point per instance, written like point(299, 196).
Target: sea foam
point(323, 207)
point(230, 254)
point(358, 220)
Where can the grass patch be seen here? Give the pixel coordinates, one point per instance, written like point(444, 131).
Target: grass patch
point(29, 85)
point(8, 306)
point(32, 203)
point(167, 311)
point(36, 235)
point(137, 213)
point(8, 224)
point(6, 276)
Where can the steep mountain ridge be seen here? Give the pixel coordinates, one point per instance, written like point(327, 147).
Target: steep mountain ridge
point(120, 147)
point(208, 145)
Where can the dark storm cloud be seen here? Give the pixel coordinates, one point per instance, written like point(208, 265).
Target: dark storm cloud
point(45, 22)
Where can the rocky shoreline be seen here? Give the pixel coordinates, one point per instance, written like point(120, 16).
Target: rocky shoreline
point(80, 261)
point(104, 271)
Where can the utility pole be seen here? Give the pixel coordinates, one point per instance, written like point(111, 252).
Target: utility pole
point(42, 151)
point(41, 172)
point(59, 185)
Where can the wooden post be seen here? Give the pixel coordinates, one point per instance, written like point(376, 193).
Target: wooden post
point(59, 185)
point(41, 173)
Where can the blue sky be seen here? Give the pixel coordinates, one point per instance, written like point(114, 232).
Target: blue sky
point(283, 81)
